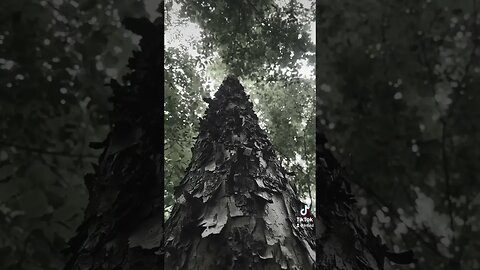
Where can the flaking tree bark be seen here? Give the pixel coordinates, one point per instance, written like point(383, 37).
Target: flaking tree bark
point(123, 223)
point(235, 208)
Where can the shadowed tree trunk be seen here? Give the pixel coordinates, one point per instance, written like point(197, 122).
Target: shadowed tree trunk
point(235, 208)
point(123, 223)
point(343, 242)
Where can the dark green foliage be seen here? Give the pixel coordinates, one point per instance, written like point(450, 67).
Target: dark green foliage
point(253, 37)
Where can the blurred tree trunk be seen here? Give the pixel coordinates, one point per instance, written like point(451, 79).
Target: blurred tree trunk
point(235, 208)
point(123, 223)
point(343, 241)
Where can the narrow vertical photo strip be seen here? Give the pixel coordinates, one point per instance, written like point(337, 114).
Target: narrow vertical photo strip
point(397, 134)
point(123, 223)
point(122, 226)
point(81, 134)
point(344, 239)
point(239, 119)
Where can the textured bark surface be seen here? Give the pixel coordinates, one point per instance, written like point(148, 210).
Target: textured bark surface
point(235, 208)
point(343, 242)
point(123, 224)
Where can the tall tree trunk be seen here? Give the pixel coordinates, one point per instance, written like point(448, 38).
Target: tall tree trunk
point(123, 224)
point(235, 208)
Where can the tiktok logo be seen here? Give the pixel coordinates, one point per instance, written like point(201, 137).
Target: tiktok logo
point(304, 211)
point(305, 220)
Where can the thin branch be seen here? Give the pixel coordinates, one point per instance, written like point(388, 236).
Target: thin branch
point(446, 172)
point(463, 231)
point(57, 9)
point(307, 175)
point(430, 74)
point(475, 40)
point(443, 121)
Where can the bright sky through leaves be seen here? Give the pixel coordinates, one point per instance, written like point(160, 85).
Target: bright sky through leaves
point(186, 35)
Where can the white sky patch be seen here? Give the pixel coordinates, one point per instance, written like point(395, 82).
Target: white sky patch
point(312, 32)
point(308, 201)
point(182, 33)
point(284, 3)
point(306, 70)
point(300, 161)
point(303, 124)
point(281, 3)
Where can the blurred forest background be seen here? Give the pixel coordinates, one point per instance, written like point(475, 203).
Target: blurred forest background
point(397, 97)
point(55, 57)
